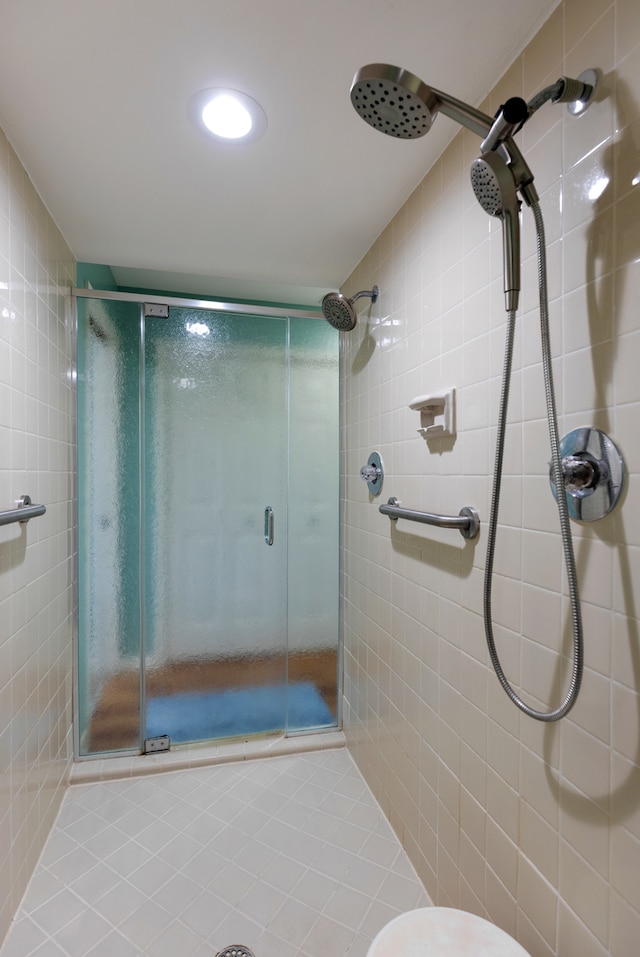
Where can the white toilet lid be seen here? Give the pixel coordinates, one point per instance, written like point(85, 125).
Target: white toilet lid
point(443, 932)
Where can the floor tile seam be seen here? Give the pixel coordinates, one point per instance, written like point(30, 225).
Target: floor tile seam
point(283, 943)
point(348, 805)
point(352, 825)
point(200, 938)
point(54, 938)
point(333, 920)
point(73, 953)
point(310, 867)
point(257, 813)
point(164, 820)
point(309, 864)
point(287, 894)
point(337, 920)
point(126, 880)
point(267, 925)
point(123, 938)
point(82, 842)
point(320, 808)
point(251, 883)
point(26, 918)
point(153, 899)
point(137, 910)
point(68, 811)
point(67, 888)
point(64, 886)
point(387, 864)
point(92, 904)
point(150, 853)
point(98, 857)
point(96, 797)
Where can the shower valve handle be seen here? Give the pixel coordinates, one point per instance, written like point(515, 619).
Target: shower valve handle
point(582, 473)
point(369, 473)
point(373, 473)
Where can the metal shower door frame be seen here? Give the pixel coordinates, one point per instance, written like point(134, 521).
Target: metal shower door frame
point(246, 309)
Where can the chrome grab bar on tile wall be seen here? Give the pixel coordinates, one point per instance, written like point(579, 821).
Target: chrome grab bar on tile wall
point(23, 512)
point(467, 521)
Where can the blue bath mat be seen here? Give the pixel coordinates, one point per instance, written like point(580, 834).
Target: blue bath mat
point(226, 714)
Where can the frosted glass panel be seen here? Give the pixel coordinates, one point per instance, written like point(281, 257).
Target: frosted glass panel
point(313, 510)
point(215, 457)
point(190, 427)
point(109, 522)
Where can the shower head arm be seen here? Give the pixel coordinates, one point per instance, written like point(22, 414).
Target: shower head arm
point(474, 120)
point(371, 294)
point(481, 124)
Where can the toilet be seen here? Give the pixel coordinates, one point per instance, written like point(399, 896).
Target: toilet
point(443, 932)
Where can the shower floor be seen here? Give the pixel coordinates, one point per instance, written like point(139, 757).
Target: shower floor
point(289, 856)
point(115, 722)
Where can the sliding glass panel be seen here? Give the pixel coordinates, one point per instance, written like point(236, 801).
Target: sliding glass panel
point(215, 467)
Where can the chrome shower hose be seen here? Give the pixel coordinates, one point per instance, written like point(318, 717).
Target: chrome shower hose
point(565, 528)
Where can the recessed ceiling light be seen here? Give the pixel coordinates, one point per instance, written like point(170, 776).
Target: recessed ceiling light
point(227, 116)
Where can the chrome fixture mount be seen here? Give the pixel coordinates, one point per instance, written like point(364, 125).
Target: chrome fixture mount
point(23, 511)
point(593, 471)
point(373, 473)
point(467, 521)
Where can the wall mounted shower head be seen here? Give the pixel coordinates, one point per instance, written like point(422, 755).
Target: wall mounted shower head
point(394, 101)
point(495, 190)
point(399, 104)
point(339, 311)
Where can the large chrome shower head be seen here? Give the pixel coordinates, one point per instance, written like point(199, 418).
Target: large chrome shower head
point(393, 101)
point(399, 104)
point(339, 311)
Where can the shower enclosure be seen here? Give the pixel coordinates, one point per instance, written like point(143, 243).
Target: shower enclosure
point(208, 522)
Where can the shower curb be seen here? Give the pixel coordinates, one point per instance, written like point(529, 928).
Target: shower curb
point(115, 768)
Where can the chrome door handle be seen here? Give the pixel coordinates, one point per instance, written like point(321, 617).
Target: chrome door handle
point(268, 525)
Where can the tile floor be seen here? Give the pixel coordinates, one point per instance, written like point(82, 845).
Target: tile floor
point(290, 856)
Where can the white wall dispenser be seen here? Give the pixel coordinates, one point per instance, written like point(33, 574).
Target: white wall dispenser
point(437, 414)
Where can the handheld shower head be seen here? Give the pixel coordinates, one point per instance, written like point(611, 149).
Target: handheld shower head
point(495, 190)
point(339, 311)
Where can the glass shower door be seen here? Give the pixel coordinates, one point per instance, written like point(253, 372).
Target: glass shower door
point(214, 537)
point(208, 525)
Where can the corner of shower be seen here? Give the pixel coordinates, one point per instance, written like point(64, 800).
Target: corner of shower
point(208, 525)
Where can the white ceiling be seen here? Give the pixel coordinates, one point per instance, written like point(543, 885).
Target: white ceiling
point(93, 98)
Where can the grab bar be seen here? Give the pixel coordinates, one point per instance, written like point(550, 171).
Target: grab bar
point(467, 521)
point(24, 511)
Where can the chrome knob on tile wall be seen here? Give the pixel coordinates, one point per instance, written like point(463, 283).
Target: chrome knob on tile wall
point(593, 473)
point(373, 473)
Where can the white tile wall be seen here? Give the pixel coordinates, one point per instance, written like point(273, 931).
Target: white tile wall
point(37, 560)
point(534, 826)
